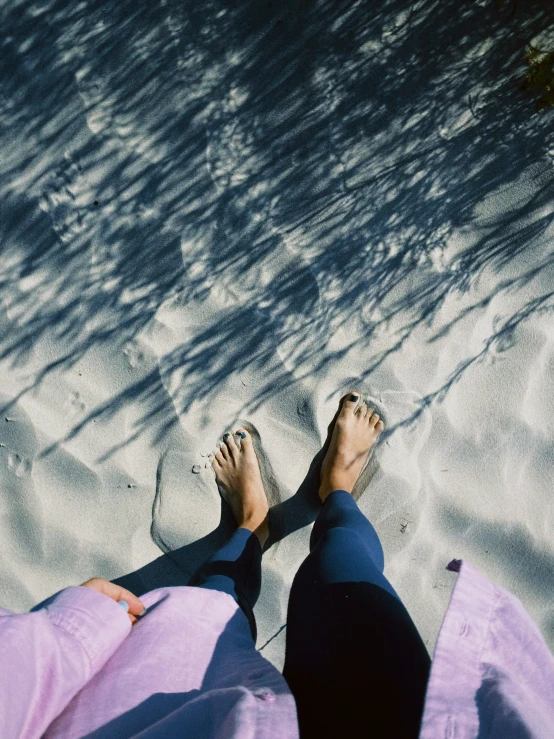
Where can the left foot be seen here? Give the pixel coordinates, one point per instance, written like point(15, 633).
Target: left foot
point(354, 431)
point(240, 482)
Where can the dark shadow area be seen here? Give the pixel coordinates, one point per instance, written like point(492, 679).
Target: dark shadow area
point(152, 152)
point(175, 567)
point(355, 642)
point(144, 715)
point(498, 716)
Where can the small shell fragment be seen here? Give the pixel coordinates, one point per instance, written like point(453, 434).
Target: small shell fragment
point(196, 469)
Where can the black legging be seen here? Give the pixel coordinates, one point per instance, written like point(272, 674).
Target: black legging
point(355, 662)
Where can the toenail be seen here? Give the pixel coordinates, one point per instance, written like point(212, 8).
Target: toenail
point(353, 397)
point(226, 436)
point(242, 434)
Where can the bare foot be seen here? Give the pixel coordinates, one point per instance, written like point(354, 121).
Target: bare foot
point(354, 432)
point(240, 482)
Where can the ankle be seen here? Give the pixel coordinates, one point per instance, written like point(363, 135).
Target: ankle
point(257, 526)
point(326, 488)
point(253, 521)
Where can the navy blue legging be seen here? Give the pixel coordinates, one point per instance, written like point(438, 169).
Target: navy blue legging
point(355, 662)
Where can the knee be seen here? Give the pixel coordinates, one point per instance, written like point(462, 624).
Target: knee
point(342, 537)
point(344, 542)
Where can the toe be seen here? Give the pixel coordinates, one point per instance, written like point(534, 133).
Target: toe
point(350, 401)
point(362, 410)
point(379, 426)
point(231, 444)
point(243, 438)
point(224, 451)
point(373, 419)
point(219, 459)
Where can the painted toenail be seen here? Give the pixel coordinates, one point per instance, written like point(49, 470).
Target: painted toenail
point(353, 397)
point(226, 436)
point(242, 434)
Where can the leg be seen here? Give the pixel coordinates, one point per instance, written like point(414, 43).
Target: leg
point(340, 520)
point(236, 568)
point(354, 659)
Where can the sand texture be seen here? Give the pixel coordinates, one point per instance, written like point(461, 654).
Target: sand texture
point(223, 213)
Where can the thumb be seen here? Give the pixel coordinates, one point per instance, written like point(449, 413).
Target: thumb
point(136, 606)
point(117, 593)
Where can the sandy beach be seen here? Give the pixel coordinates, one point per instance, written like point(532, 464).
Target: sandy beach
point(224, 214)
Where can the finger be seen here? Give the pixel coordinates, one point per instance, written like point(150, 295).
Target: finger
point(117, 593)
point(136, 606)
point(125, 606)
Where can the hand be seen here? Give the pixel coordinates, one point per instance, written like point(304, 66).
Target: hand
point(117, 593)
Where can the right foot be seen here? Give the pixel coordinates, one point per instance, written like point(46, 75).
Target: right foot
point(240, 482)
point(354, 432)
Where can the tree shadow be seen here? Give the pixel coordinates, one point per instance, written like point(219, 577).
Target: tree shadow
point(155, 152)
point(311, 160)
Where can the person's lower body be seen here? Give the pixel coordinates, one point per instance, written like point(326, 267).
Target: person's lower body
point(235, 569)
point(355, 662)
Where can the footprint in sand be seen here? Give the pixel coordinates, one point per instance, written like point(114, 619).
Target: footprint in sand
point(230, 146)
point(389, 486)
point(187, 506)
point(20, 466)
point(190, 521)
point(98, 102)
point(392, 501)
point(23, 535)
point(134, 354)
point(388, 493)
point(76, 406)
point(63, 200)
point(294, 311)
point(105, 117)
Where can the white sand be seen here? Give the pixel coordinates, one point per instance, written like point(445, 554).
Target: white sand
point(262, 244)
